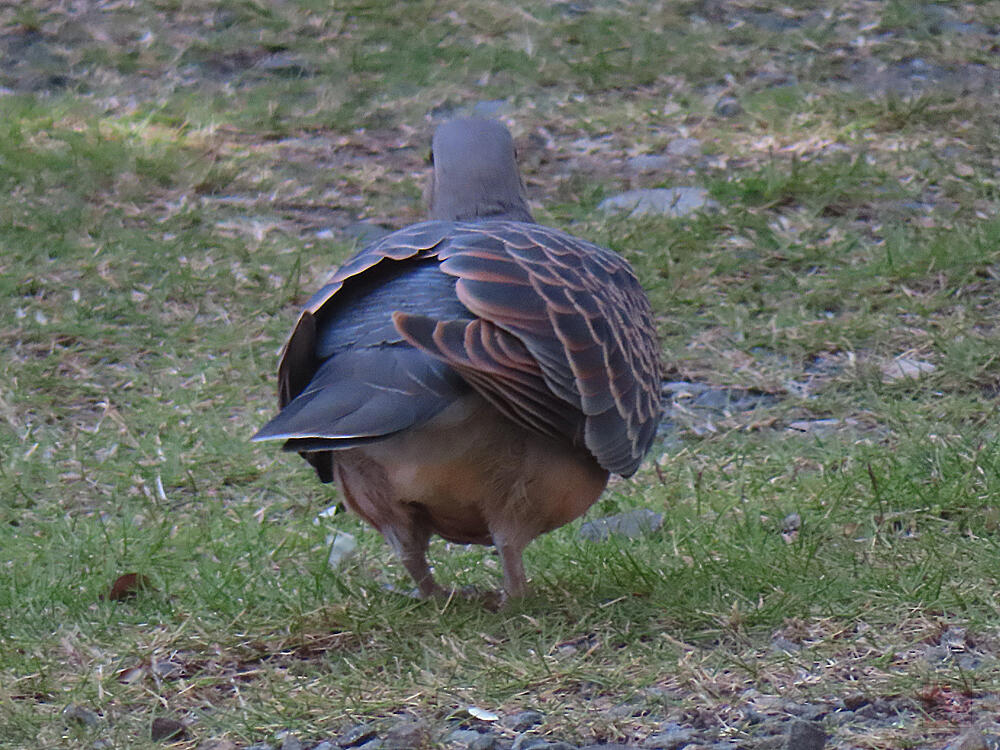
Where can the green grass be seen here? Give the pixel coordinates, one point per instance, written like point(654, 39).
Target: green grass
point(164, 214)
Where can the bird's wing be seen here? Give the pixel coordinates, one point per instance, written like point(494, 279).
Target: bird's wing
point(578, 311)
point(560, 337)
point(299, 359)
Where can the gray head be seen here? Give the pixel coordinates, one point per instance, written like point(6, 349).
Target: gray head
point(475, 173)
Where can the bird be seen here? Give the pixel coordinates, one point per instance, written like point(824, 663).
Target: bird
point(476, 375)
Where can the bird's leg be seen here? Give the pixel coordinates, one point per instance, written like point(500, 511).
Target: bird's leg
point(511, 547)
point(410, 541)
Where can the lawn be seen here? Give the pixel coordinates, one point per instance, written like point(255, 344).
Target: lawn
point(177, 177)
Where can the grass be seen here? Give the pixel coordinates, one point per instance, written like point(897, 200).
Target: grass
point(169, 204)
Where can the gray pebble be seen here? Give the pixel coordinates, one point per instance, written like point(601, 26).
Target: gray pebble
point(673, 202)
point(727, 106)
point(324, 745)
point(672, 738)
point(525, 741)
point(791, 522)
point(485, 742)
point(804, 735)
point(259, 746)
point(649, 163)
point(81, 715)
point(781, 644)
point(684, 147)
point(970, 739)
point(612, 746)
point(375, 744)
point(631, 525)
point(522, 720)
point(357, 735)
point(407, 734)
point(291, 742)
point(463, 736)
point(625, 710)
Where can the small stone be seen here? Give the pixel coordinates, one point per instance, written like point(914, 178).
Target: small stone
point(526, 741)
point(904, 368)
point(167, 670)
point(649, 163)
point(727, 106)
point(970, 739)
point(165, 728)
point(672, 738)
point(485, 742)
point(291, 742)
point(791, 522)
point(463, 736)
point(375, 744)
point(625, 710)
point(818, 425)
point(406, 735)
point(631, 525)
point(342, 548)
point(357, 735)
point(522, 720)
point(81, 715)
point(324, 745)
point(781, 644)
point(259, 746)
point(673, 202)
point(612, 746)
point(684, 147)
point(813, 713)
point(216, 745)
point(804, 735)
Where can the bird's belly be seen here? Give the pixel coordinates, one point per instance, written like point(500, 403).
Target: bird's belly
point(468, 467)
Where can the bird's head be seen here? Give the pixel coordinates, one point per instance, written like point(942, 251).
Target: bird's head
point(475, 173)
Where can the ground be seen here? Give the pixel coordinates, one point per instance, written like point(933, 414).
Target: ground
point(179, 176)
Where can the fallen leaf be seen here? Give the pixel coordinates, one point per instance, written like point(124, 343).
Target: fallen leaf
point(128, 586)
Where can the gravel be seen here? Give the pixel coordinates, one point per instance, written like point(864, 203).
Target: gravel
point(522, 720)
point(630, 525)
point(768, 723)
point(673, 202)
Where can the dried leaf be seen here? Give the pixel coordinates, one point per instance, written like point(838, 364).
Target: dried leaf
point(128, 586)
